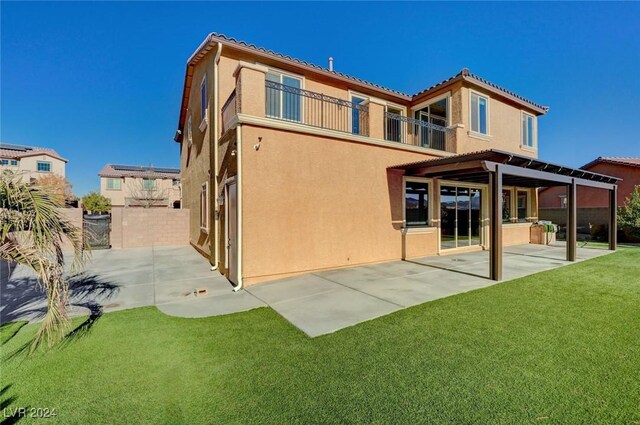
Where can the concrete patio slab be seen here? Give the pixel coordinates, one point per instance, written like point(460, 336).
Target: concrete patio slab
point(118, 279)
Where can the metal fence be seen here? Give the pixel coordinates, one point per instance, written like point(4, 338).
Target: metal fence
point(315, 109)
point(415, 132)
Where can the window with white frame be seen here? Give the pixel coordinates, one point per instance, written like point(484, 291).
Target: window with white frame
point(479, 113)
point(283, 100)
point(189, 130)
point(149, 184)
point(204, 206)
point(522, 205)
point(204, 99)
point(358, 114)
point(4, 162)
point(43, 166)
point(14, 162)
point(393, 124)
point(114, 184)
point(416, 203)
point(528, 130)
point(175, 183)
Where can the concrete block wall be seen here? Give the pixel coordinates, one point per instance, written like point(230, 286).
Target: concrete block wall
point(146, 227)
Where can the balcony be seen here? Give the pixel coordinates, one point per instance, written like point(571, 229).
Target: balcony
point(315, 109)
point(297, 106)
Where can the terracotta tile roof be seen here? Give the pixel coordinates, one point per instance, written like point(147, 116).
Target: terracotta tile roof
point(212, 39)
point(145, 171)
point(465, 74)
point(12, 151)
point(230, 40)
point(633, 162)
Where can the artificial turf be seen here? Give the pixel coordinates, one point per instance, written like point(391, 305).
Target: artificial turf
point(561, 346)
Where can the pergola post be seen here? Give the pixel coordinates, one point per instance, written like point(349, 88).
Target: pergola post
point(613, 218)
point(495, 223)
point(572, 218)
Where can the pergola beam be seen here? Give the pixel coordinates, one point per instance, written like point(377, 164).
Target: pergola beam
point(530, 173)
point(572, 219)
point(495, 223)
point(613, 224)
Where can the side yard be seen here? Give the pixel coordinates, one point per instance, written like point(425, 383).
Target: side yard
point(555, 347)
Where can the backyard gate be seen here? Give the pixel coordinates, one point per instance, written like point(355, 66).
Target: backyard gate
point(96, 231)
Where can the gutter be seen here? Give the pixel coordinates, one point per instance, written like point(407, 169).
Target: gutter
point(239, 207)
point(214, 145)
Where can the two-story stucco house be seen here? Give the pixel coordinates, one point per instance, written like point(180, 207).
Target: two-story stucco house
point(31, 162)
point(289, 167)
point(140, 186)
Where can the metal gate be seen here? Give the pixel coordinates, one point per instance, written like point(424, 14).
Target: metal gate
point(96, 231)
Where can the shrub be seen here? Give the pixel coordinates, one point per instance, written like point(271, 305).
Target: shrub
point(96, 203)
point(629, 216)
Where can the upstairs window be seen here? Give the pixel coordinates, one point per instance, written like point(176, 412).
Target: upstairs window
point(528, 130)
point(393, 125)
point(479, 113)
point(284, 97)
point(14, 162)
point(358, 116)
point(175, 183)
point(44, 166)
point(204, 99)
point(114, 184)
point(149, 184)
point(4, 162)
point(416, 203)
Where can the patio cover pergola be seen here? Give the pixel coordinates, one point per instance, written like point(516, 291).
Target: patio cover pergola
point(495, 168)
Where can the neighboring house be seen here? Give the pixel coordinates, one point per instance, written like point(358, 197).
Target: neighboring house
point(288, 167)
point(32, 162)
point(628, 169)
point(140, 186)
point(593, 203)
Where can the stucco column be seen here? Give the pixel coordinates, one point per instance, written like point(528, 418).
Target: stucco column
point(250, 88)
point(376, 119)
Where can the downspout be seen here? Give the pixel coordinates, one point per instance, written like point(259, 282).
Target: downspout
point(214, 145)
point(239, 206)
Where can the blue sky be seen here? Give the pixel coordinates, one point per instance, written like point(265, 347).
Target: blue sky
point(101, 82)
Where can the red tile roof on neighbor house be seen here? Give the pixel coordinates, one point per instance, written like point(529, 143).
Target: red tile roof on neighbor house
point(632, 162)
point(12, 151)
point(211, 41)
point(144, 171)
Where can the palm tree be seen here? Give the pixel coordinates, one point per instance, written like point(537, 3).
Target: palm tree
point(32, 232)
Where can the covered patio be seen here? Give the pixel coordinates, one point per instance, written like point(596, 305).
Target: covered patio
point(496, 169)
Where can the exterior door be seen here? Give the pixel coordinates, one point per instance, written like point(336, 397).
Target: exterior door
point(232, 232)
point(460, 216)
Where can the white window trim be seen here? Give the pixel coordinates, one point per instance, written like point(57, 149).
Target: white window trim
point(189, 129)
point(44, 162)
point(534, 145)
point(403, 112)
point(113, 178)
point(477, 133)
point(203, 114)
point(205, 186)
point(432, 100)
point(351, 94)
point(404, 202)
point(302, 87)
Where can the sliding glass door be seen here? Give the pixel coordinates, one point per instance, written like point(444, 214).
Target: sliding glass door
point(460, 216)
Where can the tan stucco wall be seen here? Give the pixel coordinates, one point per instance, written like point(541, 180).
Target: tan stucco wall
point(129, 186)
point(301, 213)
point(505, 121)
point(28, 166)
point(516, 234)
point(196, 160)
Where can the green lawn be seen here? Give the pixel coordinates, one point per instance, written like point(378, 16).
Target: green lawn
point(557, 347)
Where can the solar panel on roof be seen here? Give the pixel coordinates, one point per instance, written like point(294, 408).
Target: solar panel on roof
point(143, 168)
point(15, 147)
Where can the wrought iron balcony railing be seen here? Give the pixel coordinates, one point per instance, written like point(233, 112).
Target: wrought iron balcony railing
point(415, 132)
point(315, 109)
